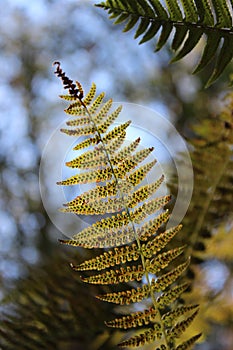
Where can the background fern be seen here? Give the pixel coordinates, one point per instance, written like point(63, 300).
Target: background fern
point(41, 314)
point(189, 19)
point(208, 223)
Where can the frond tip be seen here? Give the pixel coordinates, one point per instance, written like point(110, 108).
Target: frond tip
point(132, 228)
point(75, 90)
point(188, 20)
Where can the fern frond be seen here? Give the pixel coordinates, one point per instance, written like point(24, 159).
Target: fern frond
point(130, 231)
point(190, 19)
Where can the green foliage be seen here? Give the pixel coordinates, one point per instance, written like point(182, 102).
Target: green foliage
point(190, 20)
point(128, 226)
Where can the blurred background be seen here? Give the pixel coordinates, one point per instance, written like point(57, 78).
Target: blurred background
point(33, 266)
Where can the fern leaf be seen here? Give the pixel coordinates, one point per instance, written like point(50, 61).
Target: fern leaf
point(191, 14)
point(88, 130)
point(171, 316)
point(103, 111)
point(136, 295)
point(161, 240)
point(108, 190)
point(97, 154)
point(170, 296)
point(89, 158)
point(195, 18)
point(96, 104)
point(150, 33)
point(111, 135)
point(135, 319)
point(179, 36)
point(192, 40)
point(159, 9)
point(188, 343)
point(126, 297)
point(163, 260)
point(223, 16)
point(209, 51)
point(147, 337)
point(144, 24)
point(130, 273)
point(88, 177)
point(69, 98)
point(102, 128)
point(131, 23)
point(205, 13)
point(113, 257)
point(80, 112)
point(167, 279)
point(150, 228)
point(166, 31)
point(79, 122)
point(224, 57)
point(97, 207)
point(104, 239)
point(128, 164)
point(90, 95)
point(116, 131)
point(180, 327)
point(174, 10)
point(76, 109)
point(144, 192)
point(125, 152)
point(146, 209)
point(86, 143)
point(138, 175)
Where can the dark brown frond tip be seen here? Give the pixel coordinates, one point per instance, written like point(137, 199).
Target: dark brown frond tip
point(75, 90)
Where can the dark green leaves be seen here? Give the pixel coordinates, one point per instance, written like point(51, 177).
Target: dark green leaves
point(191, 20)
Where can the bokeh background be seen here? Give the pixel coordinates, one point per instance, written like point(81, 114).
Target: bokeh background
point(33, 266)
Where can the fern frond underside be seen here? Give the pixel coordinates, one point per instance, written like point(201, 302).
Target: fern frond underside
point(135, 248)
